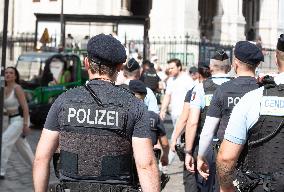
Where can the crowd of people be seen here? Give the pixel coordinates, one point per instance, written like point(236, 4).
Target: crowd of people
point(110, 135)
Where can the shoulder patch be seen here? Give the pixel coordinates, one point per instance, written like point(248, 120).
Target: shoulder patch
point(208, 99)
point(272, 105)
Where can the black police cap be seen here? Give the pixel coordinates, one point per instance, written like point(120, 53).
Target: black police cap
point(248, 53)
point(105, 49)
point(132, 65)
point(280, 43)
point(137, 86)
point(220, 55)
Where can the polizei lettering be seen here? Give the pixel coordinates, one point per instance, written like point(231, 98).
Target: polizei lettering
point(93, 117)
point(233, 101)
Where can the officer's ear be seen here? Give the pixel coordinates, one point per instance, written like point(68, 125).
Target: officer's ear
point(86, 63)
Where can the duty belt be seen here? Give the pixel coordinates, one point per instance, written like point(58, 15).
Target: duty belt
point(91, 187)
point(247, 181)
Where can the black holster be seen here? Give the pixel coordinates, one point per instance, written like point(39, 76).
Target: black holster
point(180, 151)
point(247, 181)
point(157, 153)
point(164, 180)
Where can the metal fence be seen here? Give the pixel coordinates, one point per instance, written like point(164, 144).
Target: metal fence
point(191, 51)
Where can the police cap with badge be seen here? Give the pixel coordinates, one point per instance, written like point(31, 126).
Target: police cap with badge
point(220, 55)
point(132, 65)
point(106, 50)
point(248, 53)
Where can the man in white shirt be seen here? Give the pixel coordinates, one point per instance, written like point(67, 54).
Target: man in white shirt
point(177, 87)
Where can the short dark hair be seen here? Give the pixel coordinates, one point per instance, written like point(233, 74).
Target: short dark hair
point(176, 61)
point(204, 72)
point(148, 63)
point(128, 73)
point(248, 66)
point(102, 69)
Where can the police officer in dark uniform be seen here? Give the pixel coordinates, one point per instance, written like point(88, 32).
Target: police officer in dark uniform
point(158, 132)
point(247, 57)
point(256, 128)
point(99, 128)
point(200, 100)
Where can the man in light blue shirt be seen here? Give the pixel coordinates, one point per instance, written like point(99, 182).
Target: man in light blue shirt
point(244, 119)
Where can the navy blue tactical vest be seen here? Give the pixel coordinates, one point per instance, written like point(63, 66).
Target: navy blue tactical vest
point(95, 144)
point(234, 90)
point(266, 137)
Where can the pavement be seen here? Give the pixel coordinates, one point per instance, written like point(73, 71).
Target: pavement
point(19, 175)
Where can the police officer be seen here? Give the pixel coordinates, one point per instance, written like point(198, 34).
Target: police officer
point(189, 178)
point(247, 58)
point(158, 132)
point(258, 121)
point(200, 100)
point(99, 128)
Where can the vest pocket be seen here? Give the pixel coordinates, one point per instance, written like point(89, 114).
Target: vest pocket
point(69, 163)
point(116, 165)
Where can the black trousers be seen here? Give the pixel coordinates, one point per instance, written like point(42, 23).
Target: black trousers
point(194, 182)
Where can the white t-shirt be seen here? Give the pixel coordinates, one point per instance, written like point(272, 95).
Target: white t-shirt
point(177, 88)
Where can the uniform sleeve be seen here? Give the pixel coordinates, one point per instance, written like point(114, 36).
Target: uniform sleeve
point(215, 108)
point(51, 122)
point(142, 123)
point(197, 97)
point(188, 96)
point(161, 128)
point(151, 101)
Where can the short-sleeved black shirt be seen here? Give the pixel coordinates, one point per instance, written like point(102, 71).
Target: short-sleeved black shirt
point(157, 127)
point(216, 108)
point(138, 116)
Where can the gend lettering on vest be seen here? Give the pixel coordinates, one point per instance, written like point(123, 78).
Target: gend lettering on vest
point(263, 165)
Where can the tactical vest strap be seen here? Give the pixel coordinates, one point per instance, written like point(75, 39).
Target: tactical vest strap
point(267, 137)
point(99, 102)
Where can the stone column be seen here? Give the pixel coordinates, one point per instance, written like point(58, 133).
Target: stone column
point(124, 7)
point(191, 22)
point(281, 17)
point(229, 23)
point(268, 22)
